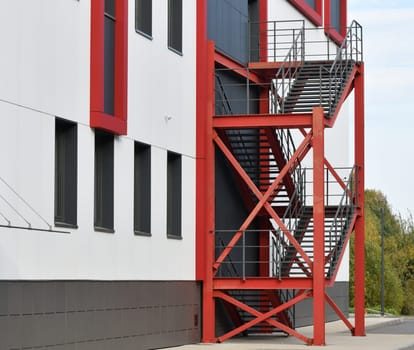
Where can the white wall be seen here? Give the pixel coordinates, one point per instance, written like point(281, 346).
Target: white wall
point(45, 73)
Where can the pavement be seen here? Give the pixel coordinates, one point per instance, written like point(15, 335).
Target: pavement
point(382, 333)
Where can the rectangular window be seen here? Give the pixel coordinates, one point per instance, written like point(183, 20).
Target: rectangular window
point(336, 15)
point(335, 19)
point(66, 173)
point(175, 25)
point(174, 195)
point(311, 3)
point(142, 189)
point(104, 182)
point(109, 57)
point(143, 17)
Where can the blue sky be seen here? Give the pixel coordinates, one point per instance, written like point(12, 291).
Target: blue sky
point(389, 97)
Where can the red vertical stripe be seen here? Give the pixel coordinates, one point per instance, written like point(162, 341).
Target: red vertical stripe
point(117, 123)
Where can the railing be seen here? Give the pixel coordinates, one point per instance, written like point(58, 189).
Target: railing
point(250, 256)
point(342, 220)
point(235, 136)
point(285, 75)
point(270, 41)
point(291, 218)
point(291, 46)
point(349, 53)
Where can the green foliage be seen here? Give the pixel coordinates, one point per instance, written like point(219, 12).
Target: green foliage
point(399, 257)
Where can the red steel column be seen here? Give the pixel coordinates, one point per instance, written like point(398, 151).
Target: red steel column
point(208, 298)
point(205, 171)
point(319, 228)
point(359, 225)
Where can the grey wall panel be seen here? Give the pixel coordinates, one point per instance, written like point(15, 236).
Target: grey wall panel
point(339, 293)
point(227, 25)
point(65, 315)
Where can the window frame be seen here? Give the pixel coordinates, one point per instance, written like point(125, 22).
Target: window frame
point(116, 123)
point(142, 190)
point(332, 33)
point(142, 31)
point(69, 192)
point(174, 195)
point(313, 14)
point(106, 142)
point(171, 28)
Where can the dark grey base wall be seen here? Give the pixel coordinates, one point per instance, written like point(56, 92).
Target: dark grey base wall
point(92, 315)
point(340, 295)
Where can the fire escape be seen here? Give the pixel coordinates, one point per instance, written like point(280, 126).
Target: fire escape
point(302, 210)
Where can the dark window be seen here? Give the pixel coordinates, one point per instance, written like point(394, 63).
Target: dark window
point(336, 15)
point(311, 3)
point(109, 57)
point(175, 25)
point(142, 189)
point(104, 181)
point(143, 17)
point(174, 195)
point(66, 173)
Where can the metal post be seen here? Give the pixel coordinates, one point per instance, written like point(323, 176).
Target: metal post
point(244, 255)
point(359, 224)
point(382, 261)
point(318, 270)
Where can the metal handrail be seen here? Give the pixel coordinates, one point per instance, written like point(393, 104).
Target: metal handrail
point(350, 51)
point(342, 219)
point(286, 73)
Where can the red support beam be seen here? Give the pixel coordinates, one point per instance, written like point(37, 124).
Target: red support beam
point(347, 89)
point(359, 225)
point(236, 68)
point(258, 283)
point(319, 228)
point(298, 155)
point(247, 121)
point(208, 299)
point(339, 312)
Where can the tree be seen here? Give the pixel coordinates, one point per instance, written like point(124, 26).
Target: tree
point(399, 256)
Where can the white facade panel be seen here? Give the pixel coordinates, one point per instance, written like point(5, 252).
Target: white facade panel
point(45, 75)
point(46, 65)
point(161, 83)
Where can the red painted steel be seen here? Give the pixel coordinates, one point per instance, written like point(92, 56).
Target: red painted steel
point(318, 227)
point(339, 312)
point(260, 317)
point(116, 123)
point(260, 283)
point(208, 299)
point(347, 89)
point(346, 240)
point(359, 225)
point(236, 67)
point(300, 152)
point(314, 15)
point(213, 128)
point(286, 121)
point(202, 138)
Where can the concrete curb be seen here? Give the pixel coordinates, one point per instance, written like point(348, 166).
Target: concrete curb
point(389, 322)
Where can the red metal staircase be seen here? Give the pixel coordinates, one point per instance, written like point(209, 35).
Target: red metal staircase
point(290, 246)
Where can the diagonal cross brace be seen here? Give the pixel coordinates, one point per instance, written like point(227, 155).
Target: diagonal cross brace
point(266, 317)
point(300, 153)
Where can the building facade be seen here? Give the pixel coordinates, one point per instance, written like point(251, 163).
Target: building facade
point(110, 186)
